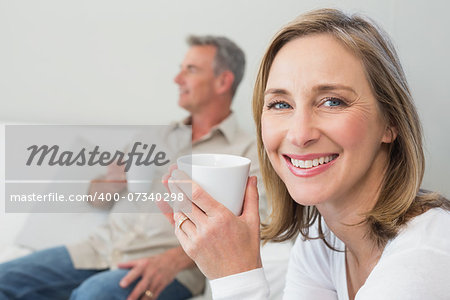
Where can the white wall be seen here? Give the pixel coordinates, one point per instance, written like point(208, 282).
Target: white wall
point(112, 62)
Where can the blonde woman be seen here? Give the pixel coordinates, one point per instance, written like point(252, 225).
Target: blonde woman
point(340, 148)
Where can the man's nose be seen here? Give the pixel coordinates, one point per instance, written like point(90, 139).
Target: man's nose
point(179, 78)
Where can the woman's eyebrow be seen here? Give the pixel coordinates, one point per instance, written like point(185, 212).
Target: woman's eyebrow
point(276, 92)
point(332, 87)
point(316, 89)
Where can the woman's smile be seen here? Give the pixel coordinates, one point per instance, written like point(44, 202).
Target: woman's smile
point(309, 165)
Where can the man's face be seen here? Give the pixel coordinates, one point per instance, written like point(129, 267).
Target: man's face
point(196, 78)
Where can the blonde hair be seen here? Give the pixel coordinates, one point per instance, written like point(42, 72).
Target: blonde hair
point(400, 198)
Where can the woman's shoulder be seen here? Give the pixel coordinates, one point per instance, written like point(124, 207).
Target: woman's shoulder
point(416, 264)
point(423, 245)
point(430, 229)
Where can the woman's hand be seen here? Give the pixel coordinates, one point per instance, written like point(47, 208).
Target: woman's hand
point(219, 242)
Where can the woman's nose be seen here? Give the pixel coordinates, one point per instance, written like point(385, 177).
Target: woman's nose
point(302, 130)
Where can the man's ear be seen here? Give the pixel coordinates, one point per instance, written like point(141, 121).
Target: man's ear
point(390, 134)
point(224, 82)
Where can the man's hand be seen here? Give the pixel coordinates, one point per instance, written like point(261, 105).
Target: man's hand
point(156, 272)
point(114, 181)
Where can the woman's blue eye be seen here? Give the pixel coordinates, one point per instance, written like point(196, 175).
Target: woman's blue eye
point(279, 105)
point(332, 102)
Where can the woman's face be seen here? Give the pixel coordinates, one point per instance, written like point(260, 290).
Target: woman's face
point(321, 126)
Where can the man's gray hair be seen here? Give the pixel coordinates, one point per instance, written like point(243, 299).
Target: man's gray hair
point(228, 56)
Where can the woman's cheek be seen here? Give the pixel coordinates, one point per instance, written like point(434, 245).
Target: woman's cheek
point(270, 134)
point(350, 131)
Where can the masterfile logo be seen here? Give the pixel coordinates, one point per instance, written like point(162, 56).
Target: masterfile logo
point(85, 157)
point(50, 168)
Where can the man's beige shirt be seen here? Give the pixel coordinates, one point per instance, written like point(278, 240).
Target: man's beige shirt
point(129, 236)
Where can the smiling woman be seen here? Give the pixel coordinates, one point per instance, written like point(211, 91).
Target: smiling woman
point(352, 62)
point(340, 124)
point(340, 148)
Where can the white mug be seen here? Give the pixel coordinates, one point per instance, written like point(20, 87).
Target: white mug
point(222, 176)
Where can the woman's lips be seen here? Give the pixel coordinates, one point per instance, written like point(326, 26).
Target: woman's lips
point(311, 164)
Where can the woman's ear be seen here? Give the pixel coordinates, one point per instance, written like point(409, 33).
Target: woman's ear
point(390, 134)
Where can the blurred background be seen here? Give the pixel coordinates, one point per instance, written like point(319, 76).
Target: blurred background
point(113, 62)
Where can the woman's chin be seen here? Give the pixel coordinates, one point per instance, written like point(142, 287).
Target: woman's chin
point(308, 198)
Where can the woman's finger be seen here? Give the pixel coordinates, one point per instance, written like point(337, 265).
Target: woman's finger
point(172, 168)
point(194, 213)
point(178, 206)
point(250, 209)
point(185, 241)
point(163, 206)
point(185, 224)
point(196, 194)
point(167, 175)
point(165, 179)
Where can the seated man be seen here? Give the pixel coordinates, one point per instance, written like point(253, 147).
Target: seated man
point(135, 255)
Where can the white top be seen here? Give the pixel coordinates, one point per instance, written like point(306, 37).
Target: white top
point(414, 265)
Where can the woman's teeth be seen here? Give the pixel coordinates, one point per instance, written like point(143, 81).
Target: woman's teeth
point(306, 164)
